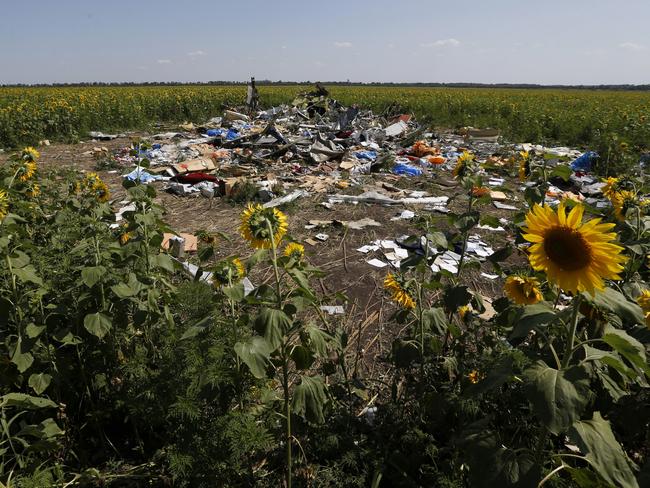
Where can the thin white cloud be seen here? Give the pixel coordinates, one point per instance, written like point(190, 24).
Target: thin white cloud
point(164, 61)
point(194, 54)
point(342, 44)
point(442, 43)
point(632, 46)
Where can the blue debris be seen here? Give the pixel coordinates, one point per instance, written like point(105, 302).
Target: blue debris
point(142, 175)
point(584, 162)
point(367, 155)
point(406, 169)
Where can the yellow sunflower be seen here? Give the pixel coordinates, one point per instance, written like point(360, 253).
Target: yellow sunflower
point(523, 290)
point(461, 165)
point(33, 190)
point(610, 188)
point(524, 168)
point(294, 250)
point(255, 226)
point(622, 201)
point(576, 256)
point(398, 293)
point(94, 185)
point(25, 170)
point(463, 311)
point(125, 236)
point(4, 204)
point(227, 272)
point(474, 377)
point(101, 191)
point(644, 302)
point(30, 154)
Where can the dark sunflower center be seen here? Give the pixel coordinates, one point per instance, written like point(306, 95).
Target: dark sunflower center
point(567, 248)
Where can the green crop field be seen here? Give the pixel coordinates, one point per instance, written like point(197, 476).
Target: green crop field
point(573, 117)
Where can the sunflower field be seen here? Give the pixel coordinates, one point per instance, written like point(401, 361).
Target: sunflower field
point(583, 118)
point(119, 369)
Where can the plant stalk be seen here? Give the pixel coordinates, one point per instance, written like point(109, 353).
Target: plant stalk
point(572, 331)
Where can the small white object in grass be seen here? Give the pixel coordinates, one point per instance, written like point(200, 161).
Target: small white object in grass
point(367, 248)
point(503, 206)
point(493, 229)
point(321, 237)
point(377, 263)
point(333, 309)
point(388, 244)
point(248, 286)
point(489, 276)
point(406, 214)
point(496, 181)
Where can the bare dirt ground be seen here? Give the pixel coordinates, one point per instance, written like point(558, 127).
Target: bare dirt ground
point(346, 269)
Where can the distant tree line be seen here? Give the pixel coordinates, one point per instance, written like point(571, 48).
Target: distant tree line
point(645, 87)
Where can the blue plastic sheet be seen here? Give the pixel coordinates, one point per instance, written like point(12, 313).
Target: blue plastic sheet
point(406, 169)
point(215, 132)
point(232, 134)
point(367, 155)
point(584, 162)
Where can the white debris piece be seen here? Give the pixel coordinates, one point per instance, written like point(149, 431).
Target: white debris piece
point(119, 215)
point(377, 263)
point(367, 248)
point(333, 309)
point(289, 197)
point(396, 129)
point(376, 197)
point(489, 276)
point(503, 206)
point(496, 181)
point(447, 261)
point(405, 215)
point(493, 229)
point(477, 246)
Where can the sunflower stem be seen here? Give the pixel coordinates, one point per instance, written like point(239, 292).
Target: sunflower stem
point(421, 328)
point(572, 332)
point(285, 363)
point(551, 474)
point(287, 412)
point(461, 261)
point(274, 258)
point(13, 178)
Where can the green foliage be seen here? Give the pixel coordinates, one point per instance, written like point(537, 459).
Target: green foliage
point(120, 370)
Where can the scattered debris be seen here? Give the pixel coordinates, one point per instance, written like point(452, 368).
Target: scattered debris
point(333, 309)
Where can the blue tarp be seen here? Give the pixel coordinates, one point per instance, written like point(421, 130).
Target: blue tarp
point(406, 169)
point(584, 162)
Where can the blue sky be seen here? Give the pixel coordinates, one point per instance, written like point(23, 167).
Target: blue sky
point(551, 41)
